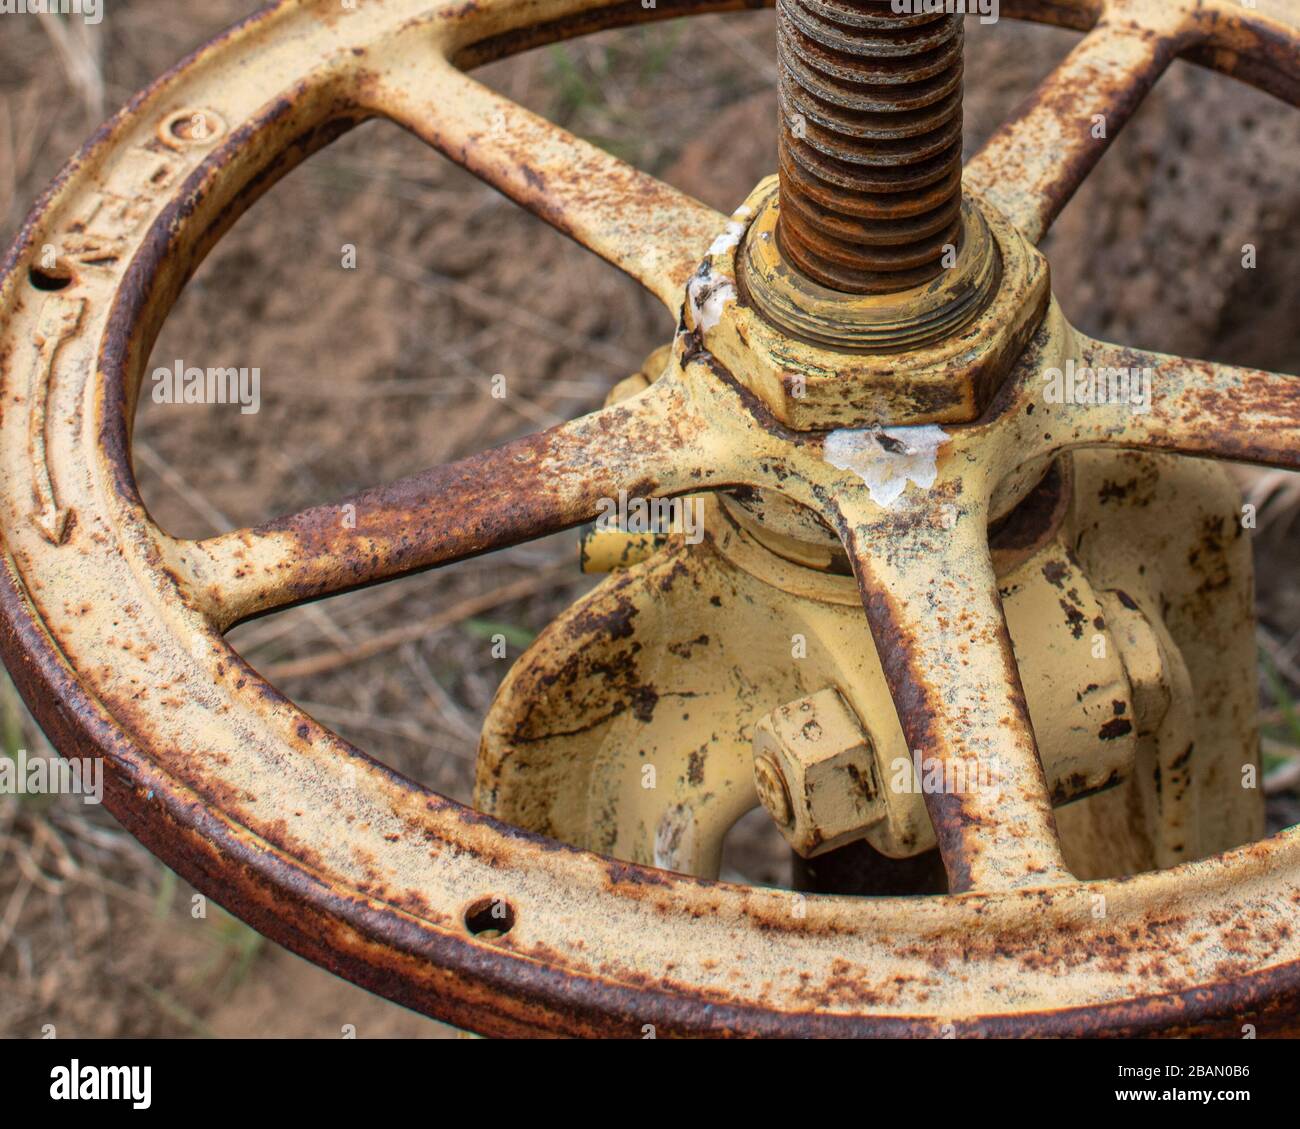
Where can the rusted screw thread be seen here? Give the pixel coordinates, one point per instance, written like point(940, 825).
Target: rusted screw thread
point(870, 145)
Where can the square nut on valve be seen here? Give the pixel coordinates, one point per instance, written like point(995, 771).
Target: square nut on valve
point(815, 770)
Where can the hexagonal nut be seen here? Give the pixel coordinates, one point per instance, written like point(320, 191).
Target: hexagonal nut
point(818, 387)
point(815, 771)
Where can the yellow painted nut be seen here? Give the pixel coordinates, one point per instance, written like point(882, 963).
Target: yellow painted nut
point(612, 550)
point(815, 771)
point(1162, 690)
point(810, 385)
point(1143, 656)
point(773, 791)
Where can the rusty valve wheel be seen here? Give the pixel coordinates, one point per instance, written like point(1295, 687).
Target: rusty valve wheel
point(113, 630)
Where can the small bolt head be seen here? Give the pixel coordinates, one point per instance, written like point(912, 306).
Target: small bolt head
point(773, 791)
point(815, 772)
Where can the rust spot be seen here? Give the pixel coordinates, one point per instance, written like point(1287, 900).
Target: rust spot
point(1115, 728)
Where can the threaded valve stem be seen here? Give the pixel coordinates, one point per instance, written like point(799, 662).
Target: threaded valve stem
point(870, 142)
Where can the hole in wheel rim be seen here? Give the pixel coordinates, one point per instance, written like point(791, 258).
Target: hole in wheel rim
point(490, 918)
point(58, 277)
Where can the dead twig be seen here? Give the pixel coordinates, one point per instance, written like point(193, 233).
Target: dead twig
point(1277, 653)
point(80, 50)
point(1286, 776)
point(388, 640)
point(489, 305)
point(445, 709)
point(1275, 494)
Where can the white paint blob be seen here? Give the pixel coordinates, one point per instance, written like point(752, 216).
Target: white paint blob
point(708, 294)
point(709, 291)
point(729, 239)
point(887, 459)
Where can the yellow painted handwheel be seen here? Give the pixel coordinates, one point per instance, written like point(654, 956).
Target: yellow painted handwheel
point(113, 629)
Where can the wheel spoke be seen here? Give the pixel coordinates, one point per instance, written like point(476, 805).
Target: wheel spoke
point(1138, 399)
point(525, 489)
point(932, 602)
point(1078, 14)
point(495, 29)
point(646, 228)
point(1037, 160)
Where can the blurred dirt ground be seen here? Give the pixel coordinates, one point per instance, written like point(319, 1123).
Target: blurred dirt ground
point(372, 373)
